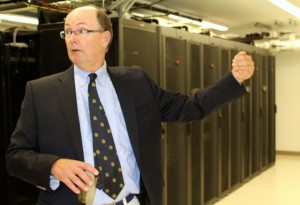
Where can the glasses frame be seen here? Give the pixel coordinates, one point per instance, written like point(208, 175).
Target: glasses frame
point(79, 32)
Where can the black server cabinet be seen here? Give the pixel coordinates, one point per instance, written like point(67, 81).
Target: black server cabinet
point(236, 138)
point(116, 48)
point(53, 52)
point(142, 52)
point(196, 128)
point(246, 131)
point(18, 65)
point(176, 133)
point(271, 110)
point(135, 45)
point(203, 160)
point(210, 127)
point(224, 121)
point(256, 116)
point(264, 90)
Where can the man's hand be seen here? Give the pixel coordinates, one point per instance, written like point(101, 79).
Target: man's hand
point(242, 66)
point(73, 173)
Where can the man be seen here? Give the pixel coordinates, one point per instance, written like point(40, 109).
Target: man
point(52, 144)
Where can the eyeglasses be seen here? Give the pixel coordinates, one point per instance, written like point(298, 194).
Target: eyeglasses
point(80, 32)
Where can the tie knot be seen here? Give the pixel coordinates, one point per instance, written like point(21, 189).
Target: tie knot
point(93, 76)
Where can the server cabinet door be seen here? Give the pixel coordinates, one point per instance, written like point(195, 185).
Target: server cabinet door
point(236, 137)
point(271, 109)
point(196, 128)
point(256, 116)
point(224, 130)
point(210, 123)
point(264, 111)
point(142, 52)
point(176, 133)
point(18, 65)
point(246, 132)
point(53, 52)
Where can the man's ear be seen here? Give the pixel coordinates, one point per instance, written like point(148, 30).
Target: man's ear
point(106, 36)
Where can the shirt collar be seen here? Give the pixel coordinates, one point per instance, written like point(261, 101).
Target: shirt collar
point(82, 76)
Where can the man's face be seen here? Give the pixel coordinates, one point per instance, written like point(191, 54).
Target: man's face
point(87, 51)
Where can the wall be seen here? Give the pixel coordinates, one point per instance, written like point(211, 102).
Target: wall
point(287, 100)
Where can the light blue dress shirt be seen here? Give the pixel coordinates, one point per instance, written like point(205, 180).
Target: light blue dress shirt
point(110, 102)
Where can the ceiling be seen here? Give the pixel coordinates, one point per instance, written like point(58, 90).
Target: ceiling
point(240, 16)
point(257, 21)
point(245, 19)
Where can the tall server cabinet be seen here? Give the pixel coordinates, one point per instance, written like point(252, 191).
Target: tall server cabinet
point(256, 115)
point(210, 126)
point(176, 133)
point(128, 50)
point(264, 90)
point(208, 159)
point(271, 110)
point(241, 141)
point(224, 134)
point(196, 128)
point(246, 131)
point(53, 51)
point(236, 138)
point(137, 51)
point(18, 65)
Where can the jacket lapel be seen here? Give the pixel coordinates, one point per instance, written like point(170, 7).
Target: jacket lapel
point(67, 96)
point(126, 99)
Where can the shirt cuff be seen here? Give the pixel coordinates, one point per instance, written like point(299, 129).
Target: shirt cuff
point(54, 183)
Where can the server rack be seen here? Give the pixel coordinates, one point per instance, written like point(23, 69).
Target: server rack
point(176, 133)
point(233, 132)
point(246, 132)
point(137, 49)
point(196, 128)
point(53, 52)
point(264, 90)
point(256, 116)
point(271, 110)
point(224, 135)
point(210, 126)
point(18, 65)
point(236, 126)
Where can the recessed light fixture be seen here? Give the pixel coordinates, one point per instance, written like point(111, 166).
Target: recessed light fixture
point(287, 6)
point(207, 24)
point(19, 19)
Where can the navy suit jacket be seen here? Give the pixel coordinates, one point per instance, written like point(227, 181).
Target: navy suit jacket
point(48, 127)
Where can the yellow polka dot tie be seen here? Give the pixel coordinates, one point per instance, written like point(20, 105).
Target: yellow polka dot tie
point(105, 153)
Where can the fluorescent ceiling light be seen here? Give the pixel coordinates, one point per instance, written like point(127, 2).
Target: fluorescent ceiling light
point(180, 18)
point(165, 24)
point(19, 19)
point(207, 24)
point(175, 20)
point(138, 14)
point(290, 44)
point(195, 30)
point(287, 6)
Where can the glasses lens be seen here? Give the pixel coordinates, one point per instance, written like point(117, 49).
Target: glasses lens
point(62, 34)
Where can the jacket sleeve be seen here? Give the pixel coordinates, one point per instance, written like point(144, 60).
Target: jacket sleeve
point(177, 107)
point(23, 159)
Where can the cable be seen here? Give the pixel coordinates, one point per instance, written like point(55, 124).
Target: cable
point(147, 5)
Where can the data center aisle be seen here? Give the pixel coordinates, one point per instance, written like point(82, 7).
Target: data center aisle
point(279, 185)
